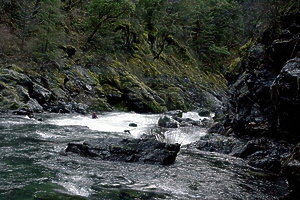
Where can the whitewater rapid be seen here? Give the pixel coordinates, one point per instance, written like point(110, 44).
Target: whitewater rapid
point(120, 123)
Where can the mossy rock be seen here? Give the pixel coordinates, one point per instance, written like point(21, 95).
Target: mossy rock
point(174, 98)
point(111, 91)
point(233, 67)
point(244, 50)
point(100, 104)
point(15, 68)
point(10, 102)
point(99, 91)
point(155, 107)
point(11, 77)
point(3, 85)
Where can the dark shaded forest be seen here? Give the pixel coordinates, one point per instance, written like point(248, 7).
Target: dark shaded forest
point(210, 31)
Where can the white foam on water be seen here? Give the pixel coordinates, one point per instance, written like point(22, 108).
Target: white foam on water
point(48, 135)
point(76, 185)
point(193, 116)
point(118, 122)
point(184, 135)
point(111, 122)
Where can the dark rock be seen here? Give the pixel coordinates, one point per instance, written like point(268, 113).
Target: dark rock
point(69, 49)
point(133, 125)
point(219, 114)
point(256, 55)
point(35, 106)
point(265, 96)
point(79, 108)
point(216, 143)
point(204, 113)
point(261, 153)
point(184, 122)
point(167, 122)
point(127, 131)
point(286, 98)
point(23, 111)
point(63, 107)
point(41, 94)
point(267, 163)
point(128, 150)
point(206, 122)
point(217, 127)
point(58, 107)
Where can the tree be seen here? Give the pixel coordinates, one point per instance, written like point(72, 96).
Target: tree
point(103, 12)
point(160, 18)
point(48, 28)
point(209, 27)
point(26, 20)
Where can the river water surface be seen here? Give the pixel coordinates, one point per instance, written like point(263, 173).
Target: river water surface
point(31, 167)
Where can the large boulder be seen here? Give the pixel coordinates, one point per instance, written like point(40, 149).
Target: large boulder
point(149, 151)
point(41, 94)
point(167, 122)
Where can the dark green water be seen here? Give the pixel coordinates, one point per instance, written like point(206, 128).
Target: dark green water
point(31, 167)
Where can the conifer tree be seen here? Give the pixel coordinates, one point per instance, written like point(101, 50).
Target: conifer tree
point(49, 27)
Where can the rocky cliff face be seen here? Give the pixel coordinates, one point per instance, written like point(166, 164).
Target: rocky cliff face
point(264, 96)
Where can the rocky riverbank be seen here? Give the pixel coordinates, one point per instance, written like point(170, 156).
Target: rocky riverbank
point(264, 103)
point(83, 89)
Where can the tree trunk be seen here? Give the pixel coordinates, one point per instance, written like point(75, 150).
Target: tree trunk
point(94, 32)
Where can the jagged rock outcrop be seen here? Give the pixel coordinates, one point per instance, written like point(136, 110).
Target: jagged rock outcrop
point(265, 97)
point(148, 151)
point(286, 98)
point(264, 100)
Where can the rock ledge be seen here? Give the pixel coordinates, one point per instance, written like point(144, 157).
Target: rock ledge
point(148, 151)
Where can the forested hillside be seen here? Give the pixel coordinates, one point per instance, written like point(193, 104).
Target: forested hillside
point(146, 56)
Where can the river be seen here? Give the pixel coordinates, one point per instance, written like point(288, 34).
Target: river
point(31, 167)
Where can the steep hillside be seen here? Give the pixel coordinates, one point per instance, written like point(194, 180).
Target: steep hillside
point(143, 56)
point(132, 83)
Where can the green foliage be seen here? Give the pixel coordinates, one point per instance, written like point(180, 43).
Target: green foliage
point(211, 28)
point(49, 28)
point(104, 14)
point(207, 31)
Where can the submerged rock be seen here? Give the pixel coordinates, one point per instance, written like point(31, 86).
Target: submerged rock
point(148, 151)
